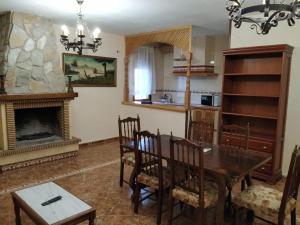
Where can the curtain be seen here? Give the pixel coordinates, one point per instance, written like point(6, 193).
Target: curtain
point(141, 73)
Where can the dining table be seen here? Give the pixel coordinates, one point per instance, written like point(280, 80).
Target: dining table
point(224, 163)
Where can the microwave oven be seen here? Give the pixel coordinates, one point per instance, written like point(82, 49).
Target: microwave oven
point(211, 100)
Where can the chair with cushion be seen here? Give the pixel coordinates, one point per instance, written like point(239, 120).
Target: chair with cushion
point(126, 128)
point(269, 204)
point(190, 187)
point(201, 131)
point(149, 169)
point(234, 138)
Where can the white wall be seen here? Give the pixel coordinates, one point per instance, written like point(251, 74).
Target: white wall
point(283, 34)
point(153, 119)
point(94, 113)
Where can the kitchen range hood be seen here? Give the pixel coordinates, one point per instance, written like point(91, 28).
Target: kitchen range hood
point(203, 53)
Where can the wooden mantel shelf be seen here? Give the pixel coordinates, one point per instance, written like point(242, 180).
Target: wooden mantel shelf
point(44, 96)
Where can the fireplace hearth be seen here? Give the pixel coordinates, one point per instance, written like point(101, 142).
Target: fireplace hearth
point(34, 128)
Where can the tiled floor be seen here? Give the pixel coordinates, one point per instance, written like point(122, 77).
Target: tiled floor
point(93, 177)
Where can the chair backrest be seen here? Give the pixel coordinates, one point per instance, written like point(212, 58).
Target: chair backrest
point(126, 128)
point(201, 131)
point(235, 136)
point(292, 182)
point(147, 149)
point(186, 159)
point(202, 115)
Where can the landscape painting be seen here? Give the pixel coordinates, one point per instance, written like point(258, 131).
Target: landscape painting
point(90, 70)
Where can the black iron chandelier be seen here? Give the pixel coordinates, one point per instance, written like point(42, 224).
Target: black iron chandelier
point(263, 16)
point(81, 27)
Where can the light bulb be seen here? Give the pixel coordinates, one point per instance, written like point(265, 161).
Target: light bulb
point(96, 32)
point(65, 30)
point(80, 29)
point(264, 2)
point(236, 4)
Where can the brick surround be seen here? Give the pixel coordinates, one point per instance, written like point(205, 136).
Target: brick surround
point(10, 153)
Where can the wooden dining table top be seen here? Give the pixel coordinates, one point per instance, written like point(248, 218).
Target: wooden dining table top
point(233, 164)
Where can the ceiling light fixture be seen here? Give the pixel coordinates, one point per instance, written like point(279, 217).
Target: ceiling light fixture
point(79, 43)
point(263, 16)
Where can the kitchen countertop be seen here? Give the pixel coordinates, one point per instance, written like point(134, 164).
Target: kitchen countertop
point(212, 108)
point(195, 106)
point(171, 106)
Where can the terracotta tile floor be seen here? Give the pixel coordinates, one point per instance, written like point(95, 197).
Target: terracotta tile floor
point(93, 177)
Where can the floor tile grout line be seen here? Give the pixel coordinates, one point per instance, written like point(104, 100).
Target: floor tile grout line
point(69, 174)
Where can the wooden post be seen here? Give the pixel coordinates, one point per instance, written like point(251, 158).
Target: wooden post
point(187, 97)
point(126, 85)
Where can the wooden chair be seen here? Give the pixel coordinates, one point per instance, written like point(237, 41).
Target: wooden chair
point(202, 115)
point(201, 132)
point(149, 169)
point(269, 204)
point(189, 185)
point(126, 128)
point(235, 136)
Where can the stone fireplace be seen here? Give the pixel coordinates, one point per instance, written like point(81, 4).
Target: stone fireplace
point(35, 128)
point(34, 114)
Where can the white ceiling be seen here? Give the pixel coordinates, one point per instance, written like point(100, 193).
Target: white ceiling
point(129, 16)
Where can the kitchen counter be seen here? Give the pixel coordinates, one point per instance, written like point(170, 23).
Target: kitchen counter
point(170, 106)
point(205, 107)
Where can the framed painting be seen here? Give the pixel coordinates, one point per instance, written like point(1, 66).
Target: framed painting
point(90, 71)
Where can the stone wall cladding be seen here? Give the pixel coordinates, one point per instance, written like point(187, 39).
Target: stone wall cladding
point(31, 61)
point(6, 25)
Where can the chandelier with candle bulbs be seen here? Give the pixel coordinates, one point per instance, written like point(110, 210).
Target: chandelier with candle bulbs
point(263, 16)
point(78, 44)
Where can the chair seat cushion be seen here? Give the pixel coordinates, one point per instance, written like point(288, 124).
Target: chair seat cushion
point(153, 181)
point(191, 198)
point(264, 201)
point(129, 158)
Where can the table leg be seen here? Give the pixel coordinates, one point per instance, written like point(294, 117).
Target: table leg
point(17, 212)
point(221, 200)
point(248, 179)
point(132, 182)
point(92, 218)
point(243, 184)
point(228, 203)
point(132, 178)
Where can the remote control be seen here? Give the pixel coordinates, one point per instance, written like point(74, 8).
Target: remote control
point(55, 199)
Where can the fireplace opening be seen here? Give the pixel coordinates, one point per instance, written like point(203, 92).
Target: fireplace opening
point(38, 125)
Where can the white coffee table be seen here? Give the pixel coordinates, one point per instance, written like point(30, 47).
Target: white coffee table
point(68, 210)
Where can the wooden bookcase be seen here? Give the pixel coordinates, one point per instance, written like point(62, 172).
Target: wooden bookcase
point(255, 91)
